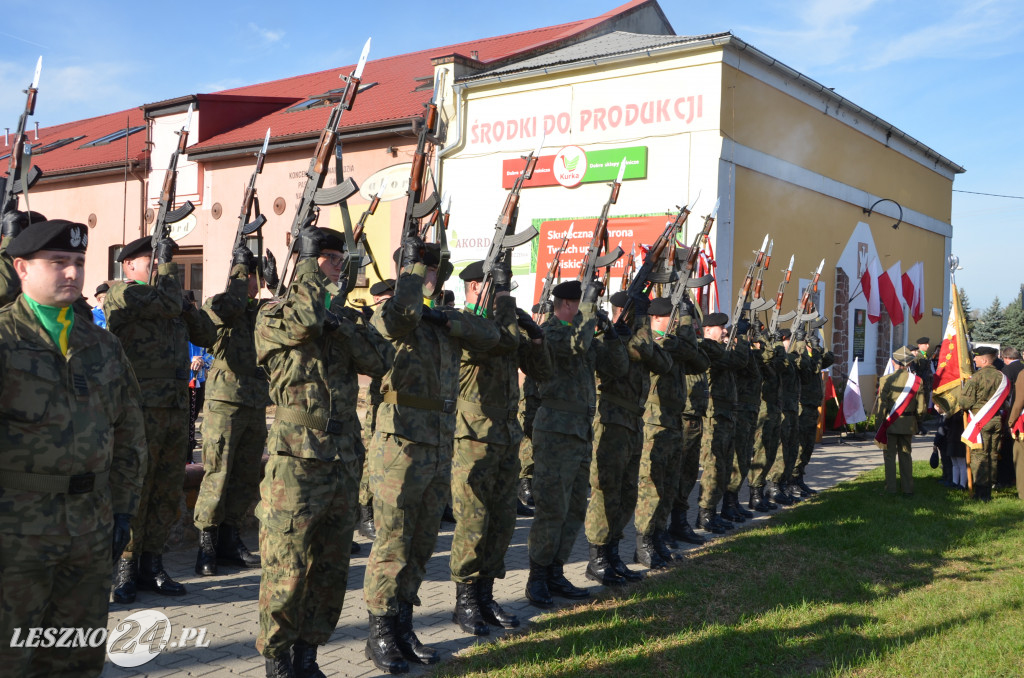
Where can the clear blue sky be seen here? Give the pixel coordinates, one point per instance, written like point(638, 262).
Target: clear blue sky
point(949, 73)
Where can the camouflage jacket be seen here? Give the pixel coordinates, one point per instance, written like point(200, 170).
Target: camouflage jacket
point(235, 377)
point(667, 400)
point(697, 395)
point(726, 363)
point(889, 389)
point(812, 362)
point(772, 362)
point(420, 390)
point(66, 416)
point(155, 329)
point(488, 404)
point(789, 379)
point(977, 391)
point(10, 284)
point(621, 400)
point(749, 381)
point(529, 403)
point(313, 371)
point(569, 397)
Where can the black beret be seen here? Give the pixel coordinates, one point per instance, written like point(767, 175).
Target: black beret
point(570, 289)
point(660, 306)
point(619, 299)
point(58, 234)
point(716, 320)
point(135, 248)
point(924, 340)
point(785, 334)
point(383, 287)
point(985, 350)
point(536, 308)
point(474, 271)
point(333, 240)
point(102, 288)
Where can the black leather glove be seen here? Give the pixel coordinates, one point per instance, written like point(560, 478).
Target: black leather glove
point(122, 533)
point(686, 307)
point(501, 277)
point(546, 308)
point(309, 241)
point(742, 327)
point(412, 251)
point(532, 329)
point(164, 251)
point(14, 222)
point(331, 322)
point(592, 292)
point(778, 336)
point(434, 316)
point(243, 256)
point(270, 271)
point(816, 340)
point(604, 323)
point(799, 335)
point(641, 304)
point(622, 330)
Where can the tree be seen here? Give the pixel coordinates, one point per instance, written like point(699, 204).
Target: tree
point(968, 313)
point(991, 326)
point(1013, 325)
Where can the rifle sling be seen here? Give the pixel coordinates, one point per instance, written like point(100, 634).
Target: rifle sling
point(570, 406)
point(632, 408)
point(405, 400)
point(53, 484)
point(303, 418)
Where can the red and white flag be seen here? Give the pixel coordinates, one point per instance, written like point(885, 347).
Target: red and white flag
point(910, 389)
point(853, 404)
point(888, 295)
point(913, 290)
point(972, 432)
point(869, 283)
point(954, 359)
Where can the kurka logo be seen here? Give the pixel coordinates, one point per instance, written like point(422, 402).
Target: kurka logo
point(569, 166)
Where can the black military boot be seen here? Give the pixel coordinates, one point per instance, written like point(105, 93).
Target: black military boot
point(537, 591)
point(367, 528)
point(280, 667)
point(730, 509)
point(153, 577)
point(722, 520)
point(231, 550)
point(766, 503)
point(805, 491)
point(755, 498)
point(206, 559)
point(677, 524)
point(619, 566)
point(667, 554)
point(467, 610)
point(688, 535)
point(304, 660)
point(493, 613)
point(738, 506)
point(558, 585)
point(668, 540)
point(600, 569)
point(408, 644)
point(124, 580)
point(706, 521)
point(793, 492)
point(526, 492)
point(382, 645)
point(646, 554)
point(522, 509)
point(777, 494)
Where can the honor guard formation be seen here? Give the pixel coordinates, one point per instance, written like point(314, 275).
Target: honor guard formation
point(592, 410)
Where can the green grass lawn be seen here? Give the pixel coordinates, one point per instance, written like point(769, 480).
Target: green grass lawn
point(854, 583)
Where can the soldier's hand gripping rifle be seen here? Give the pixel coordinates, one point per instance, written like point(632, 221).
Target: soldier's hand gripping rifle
point(251, 203)
point(757, 303)
point(505, 238)
point(800, 315)
point(19, 178)
point(773, 322)
point(314, 195)
point(744, 294)
point(167, 215)
point(685, 278)
point(650, 272)
point(599, 241)
point(544, 303)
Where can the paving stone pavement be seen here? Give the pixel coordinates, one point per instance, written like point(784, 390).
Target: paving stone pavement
point(226, 605)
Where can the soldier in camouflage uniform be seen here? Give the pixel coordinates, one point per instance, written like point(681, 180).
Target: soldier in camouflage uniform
point(663, 433)
point(689, 463)
point(14, 222)
point(769, 422)
point(789, 400)
point(486, 460)
point(900, 434)
point(410, 457)
point(313, 348)
point(155, 325)
point(748, 402)
point(615, 469)
point(74, 455)
point(720, 420)
point(234, 422)
point(528, 406)
point(563, 435)
point(812, 361)
point(976, 392)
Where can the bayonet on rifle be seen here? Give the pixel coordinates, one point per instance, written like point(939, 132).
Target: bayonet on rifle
point(166, 214)
point(599, 241)
point(554, 268)
point(20, 177)
point(744, 294)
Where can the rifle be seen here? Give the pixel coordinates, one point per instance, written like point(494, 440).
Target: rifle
point(505, 238)
point(18, 180)
point(249, 201)
point(744, 294)
point(314, 195)
point(686, 279)
point(166, 215)
point(773, 322)
point(549, 278)
point(800, 314)
point(757, 304)
point(648, 274)
point(599, 241)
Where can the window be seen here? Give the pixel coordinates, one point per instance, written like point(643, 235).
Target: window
point(56, 144)
point(114, 136)
point(327, 98)
point(114, 270)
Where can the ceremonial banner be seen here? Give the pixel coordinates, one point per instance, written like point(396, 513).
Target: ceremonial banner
point(869, 284)
point(888, 295)
point(913, 290)
point(853, 404)
point(954, 359)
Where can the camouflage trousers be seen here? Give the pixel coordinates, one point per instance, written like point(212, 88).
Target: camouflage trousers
point(233, 441)
point(53, 582)
point(526, 458)
point(659, 477)
point(365, 496)
point(782, 469)
point(689, 461)
point(716, 452)
point(560, 484)
point(306, 523)
point(743, 442)
point(898, 448)
point(807, 436)
point(484, 504)
point(614, 471)
point(983, 461)
point(164, 486)
point(411, 484)
point(766, 445)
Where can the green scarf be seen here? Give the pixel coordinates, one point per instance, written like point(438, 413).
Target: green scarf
point(56, 321)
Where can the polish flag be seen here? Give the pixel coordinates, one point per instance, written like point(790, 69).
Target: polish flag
point(888, 295)
point(913, 290)
point(954, 359)
point(853, 405)
point(869, 283)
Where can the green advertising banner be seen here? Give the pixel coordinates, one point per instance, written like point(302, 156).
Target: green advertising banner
point(604, 165)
